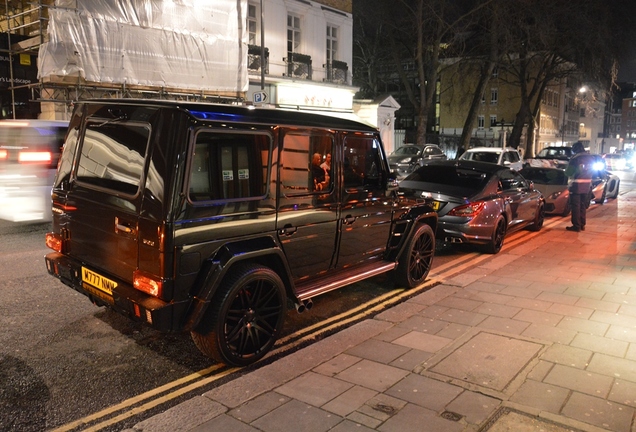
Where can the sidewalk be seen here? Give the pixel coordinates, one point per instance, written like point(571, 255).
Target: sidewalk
point(542, 338)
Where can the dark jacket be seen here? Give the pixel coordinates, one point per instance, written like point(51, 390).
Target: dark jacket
point(580, 170)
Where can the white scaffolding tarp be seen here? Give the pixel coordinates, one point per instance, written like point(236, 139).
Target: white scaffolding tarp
point(184, 44)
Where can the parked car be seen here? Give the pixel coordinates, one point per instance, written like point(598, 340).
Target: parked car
point(477, 202)
point(553, 184)
point(605, 185)
point(29, 151)
point(508, 157)
point(552, 156)
point(406, 159)
point(208, 218)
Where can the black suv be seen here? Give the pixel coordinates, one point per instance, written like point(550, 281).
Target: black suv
point(207, 218)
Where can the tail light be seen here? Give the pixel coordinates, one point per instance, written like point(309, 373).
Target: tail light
point(35, 157)
point(468, 210)
point(54, 241)
point(4, 154)
point(148, 283)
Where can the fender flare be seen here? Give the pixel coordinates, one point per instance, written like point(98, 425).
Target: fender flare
point(217, 266)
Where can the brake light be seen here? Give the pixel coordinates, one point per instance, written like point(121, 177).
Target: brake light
point(34, 157)
point(4, 154)
point(54, 241)
point(147, 283)
point(468, 210)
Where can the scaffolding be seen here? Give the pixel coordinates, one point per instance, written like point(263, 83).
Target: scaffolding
point(25, 24)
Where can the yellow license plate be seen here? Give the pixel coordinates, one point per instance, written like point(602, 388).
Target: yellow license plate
point(98, 281)
point(436, 205)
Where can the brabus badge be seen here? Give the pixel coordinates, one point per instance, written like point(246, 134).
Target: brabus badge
point(426, 195)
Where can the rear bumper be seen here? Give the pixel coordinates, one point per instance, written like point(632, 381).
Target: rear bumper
point(449, 232)
point(136, 305)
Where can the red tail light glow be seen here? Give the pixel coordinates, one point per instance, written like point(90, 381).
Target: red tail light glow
point(468, 210)
point(34, 157)
point(3, 154)
point(54, 241)
point(147, 283)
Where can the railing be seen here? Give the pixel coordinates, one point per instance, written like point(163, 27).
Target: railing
point(254, 60)
point(298, 65)
point(336, 72)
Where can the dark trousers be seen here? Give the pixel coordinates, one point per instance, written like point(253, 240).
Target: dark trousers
point(578, 203)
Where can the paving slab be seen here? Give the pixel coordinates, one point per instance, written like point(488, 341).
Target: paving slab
point(488, 360)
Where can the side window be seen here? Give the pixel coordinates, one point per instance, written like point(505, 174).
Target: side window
point(306, 164)
point(510, 180)
point(362, 163)
point(513, 156)
point(112, 155)
point(228, 166)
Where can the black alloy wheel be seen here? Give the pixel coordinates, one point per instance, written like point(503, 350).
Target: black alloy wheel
point(539, 218)
point(245, 316)
point(497, 240)
point(416, 259)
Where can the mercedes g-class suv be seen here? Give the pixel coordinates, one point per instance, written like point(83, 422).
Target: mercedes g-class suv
point(208, 218)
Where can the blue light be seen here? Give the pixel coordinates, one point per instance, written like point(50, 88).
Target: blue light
point(206, 115)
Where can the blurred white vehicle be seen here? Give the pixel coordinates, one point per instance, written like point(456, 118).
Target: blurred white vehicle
point(508, 157)
point(29, 151)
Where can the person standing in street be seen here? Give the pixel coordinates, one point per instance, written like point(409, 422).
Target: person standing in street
point(579, 170)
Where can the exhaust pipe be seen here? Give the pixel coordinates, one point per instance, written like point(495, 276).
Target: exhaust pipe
point(304, 305)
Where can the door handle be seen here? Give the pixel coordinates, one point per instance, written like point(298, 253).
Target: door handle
point(122, 226)
point(287, 230)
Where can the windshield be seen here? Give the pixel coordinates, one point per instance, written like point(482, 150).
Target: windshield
point(407, 151)
point(545, 176)
point(555, 153)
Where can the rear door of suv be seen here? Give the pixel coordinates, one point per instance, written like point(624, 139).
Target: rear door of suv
point(101, 202)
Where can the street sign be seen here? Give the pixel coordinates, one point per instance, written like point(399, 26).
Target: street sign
point(259, 97)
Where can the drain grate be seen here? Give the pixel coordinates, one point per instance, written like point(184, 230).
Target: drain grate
point(452, 416)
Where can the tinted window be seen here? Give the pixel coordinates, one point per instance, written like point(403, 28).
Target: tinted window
point(303, 165)
point(362, 163)
point(112, 155)
point(451, 176)
point(229, 166)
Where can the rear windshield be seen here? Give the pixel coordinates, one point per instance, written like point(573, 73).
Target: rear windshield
point(450, 176)
point(491, 157)
point(112, 155)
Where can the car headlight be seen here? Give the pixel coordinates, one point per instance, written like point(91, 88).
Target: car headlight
point(405, 160)
point(555, 195)
point(598, 166)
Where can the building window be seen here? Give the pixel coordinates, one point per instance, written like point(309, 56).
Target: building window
point(293, 33)
point(252, 24)
point(494, 96)
point(495, 72)
point(480, 122)
point(493, 120)
point(332, 44)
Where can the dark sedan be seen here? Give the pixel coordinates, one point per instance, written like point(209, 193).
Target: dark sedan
point(477, 202)
point(409, 157)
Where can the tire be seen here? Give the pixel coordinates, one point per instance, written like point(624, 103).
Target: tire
point(245, 316)
point(497, 240)
point(416, 260)
point(567, 209)
point(539, 218)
